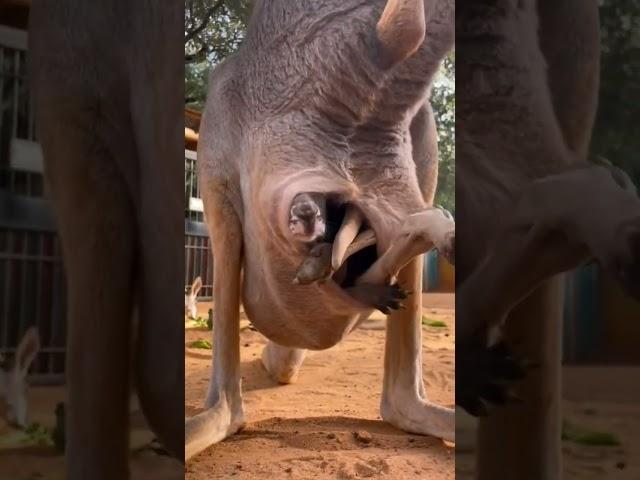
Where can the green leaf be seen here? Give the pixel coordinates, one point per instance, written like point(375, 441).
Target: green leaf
point(586, 437)
point(35, 435)
point(201, 343)
point(433, 323)
point(201, 322)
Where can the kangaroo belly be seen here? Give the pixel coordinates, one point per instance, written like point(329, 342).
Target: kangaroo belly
point(312, 316)
point(318, 315)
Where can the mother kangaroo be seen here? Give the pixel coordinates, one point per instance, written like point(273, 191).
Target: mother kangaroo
point(323, 97)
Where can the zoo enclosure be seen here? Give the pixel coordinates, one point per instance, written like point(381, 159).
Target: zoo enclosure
point(198, 260)
point(32, 287)
point(32, 283)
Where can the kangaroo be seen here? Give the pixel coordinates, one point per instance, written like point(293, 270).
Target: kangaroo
point(529, 207)
point(191, 298)
point(326, 97)
point(107, 84)
point(13, 380)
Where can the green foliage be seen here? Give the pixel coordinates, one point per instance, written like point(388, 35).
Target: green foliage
point(615, 135)
point(590, 438)
point(212, 32)
point(35, 435)
point(200, 343)
point(201, 323)
point(433, 323)
point(443, 101)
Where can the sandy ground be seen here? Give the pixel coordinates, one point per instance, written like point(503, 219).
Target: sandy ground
point(327, 425)
point(601, 399)
point(44, 463)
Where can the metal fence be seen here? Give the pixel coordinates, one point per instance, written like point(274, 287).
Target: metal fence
point(32, 284)
point(198, 261)
point(192, 201)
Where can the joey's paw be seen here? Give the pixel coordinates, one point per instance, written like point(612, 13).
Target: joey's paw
point(484, 376)
point(390, 298)
point(316, 267)
point(381, 297)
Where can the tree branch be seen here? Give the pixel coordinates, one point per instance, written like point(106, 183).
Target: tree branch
point(205, 21)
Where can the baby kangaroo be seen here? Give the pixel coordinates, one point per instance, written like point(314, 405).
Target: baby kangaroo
point(191, 298)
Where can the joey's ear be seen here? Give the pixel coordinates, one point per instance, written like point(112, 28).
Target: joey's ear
point(400, 30)
point(27, 350)
point(196, 286)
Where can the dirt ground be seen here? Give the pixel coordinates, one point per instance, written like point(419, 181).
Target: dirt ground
point(597, 399)
point(327, 425)
point(44, 463)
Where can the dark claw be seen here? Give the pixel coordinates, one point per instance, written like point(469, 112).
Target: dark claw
point(381, 297)
point(394, 305)
point(484, 376)
point(384, 309)
point(394, 298)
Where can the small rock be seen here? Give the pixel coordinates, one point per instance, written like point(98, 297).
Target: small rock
point(288, 470)
point(331, 436)
point(239, 466)
point(621, 465)
point(411, 440)
point(362, 436)
point(246, 344)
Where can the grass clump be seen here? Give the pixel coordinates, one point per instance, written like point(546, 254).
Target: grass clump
point(200, 322)
point(433, 323)
point(589, 438)
point(35, 435)
point(200, 343)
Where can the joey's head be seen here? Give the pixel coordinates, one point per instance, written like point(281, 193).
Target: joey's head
point(308, 217)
